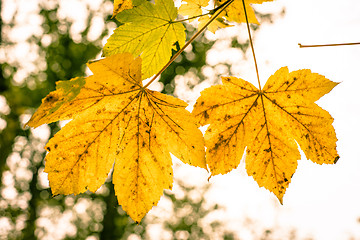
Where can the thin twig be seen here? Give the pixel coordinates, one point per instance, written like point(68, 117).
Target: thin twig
point(328, 45)
point(251, 44)
point(224, 6)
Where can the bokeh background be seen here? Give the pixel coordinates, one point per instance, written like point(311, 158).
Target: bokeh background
point(43, 41)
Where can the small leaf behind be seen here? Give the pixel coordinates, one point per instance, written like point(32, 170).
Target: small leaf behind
point(148, 31)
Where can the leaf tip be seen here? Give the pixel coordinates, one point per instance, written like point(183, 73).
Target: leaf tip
point(26, 125)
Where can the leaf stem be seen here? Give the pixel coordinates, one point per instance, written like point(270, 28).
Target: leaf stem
point(251, 44)
point(328, 45)
point(213, 17)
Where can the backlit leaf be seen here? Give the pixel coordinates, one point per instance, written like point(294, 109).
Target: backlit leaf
point(268, 124)
point(213, 26)
point(192, 8)
point(148, 31)
point(115, 119)
point(235, 12)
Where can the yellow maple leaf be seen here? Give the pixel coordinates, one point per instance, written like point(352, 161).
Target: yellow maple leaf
point(116, 119)
point(215, 25)
point(121, 5)
point(192, 8)
point(269, 124)
point(235, 12)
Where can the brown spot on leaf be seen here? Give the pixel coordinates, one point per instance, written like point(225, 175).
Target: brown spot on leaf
point(52, 97)
point(206, 115)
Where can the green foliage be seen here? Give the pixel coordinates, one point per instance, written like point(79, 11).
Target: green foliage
point(190, 210)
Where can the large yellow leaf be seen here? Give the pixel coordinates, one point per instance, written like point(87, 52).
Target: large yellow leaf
point(235, 12)
point(268, 124)
point(149, 31)
point(114, 118)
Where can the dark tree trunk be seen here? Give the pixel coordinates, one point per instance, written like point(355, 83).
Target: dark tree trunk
point(109, 228)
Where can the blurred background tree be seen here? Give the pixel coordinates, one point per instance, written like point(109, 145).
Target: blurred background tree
point(43, 41)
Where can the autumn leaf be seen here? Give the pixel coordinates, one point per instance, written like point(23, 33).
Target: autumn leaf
point(115, 119)
point(192, 8)
point(235, 12)
point(215, 25)
point(269, 124)
point(148, 31)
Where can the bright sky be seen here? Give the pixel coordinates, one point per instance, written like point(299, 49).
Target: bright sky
point(322, 202)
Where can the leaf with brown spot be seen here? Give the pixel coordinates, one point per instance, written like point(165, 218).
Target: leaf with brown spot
point(269, 125)
point(57, 102)
point(116, 119)
point(121, 5)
